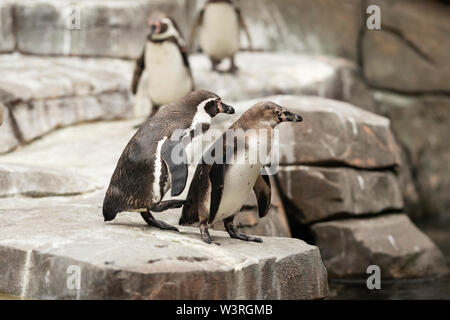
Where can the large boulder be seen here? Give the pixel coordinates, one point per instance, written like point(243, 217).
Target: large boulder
point(42, 94)
point(410, 52)
point(428, 154)
point(44, 247)
point(332, 133)
point(320, 193)
point(109, 28)
point(33, 181)
point(7, 41)
point(391, 242)
point(312, 26)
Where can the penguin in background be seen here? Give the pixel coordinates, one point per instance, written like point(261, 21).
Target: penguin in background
point(219, 190)
point(146, 169)
point(218, 24)
point(165, 60)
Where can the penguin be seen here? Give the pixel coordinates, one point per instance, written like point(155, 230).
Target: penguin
point(166, 62)
point(219, 189)
point(219, 23)
point(147, 168)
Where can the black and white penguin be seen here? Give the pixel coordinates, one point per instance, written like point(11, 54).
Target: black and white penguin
point(218, 24)
point(146, 169)
point(165, 60)
point(218, 190)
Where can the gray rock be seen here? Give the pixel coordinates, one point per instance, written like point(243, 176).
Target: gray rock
point(332, 132)
point(43, 94)
point(90, 150)
point(322, 193)
point(7, 136)
point(410, 52)
point(111, 28)
point(43, 27)
point(428, 154)
point(391, 242)
point(39, 182)
point(126, 259)
point(318, 27)
point(7, 41)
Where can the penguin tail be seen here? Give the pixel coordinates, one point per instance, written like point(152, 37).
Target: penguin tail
point(109, 211)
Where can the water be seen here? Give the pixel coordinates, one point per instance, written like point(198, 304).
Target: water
point(438, 288)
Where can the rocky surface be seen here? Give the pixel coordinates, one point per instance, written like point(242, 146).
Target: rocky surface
point(111, 28)
point(322, 193)
point(333, 133)
point(42, 94)
point(125, 259)
point(7, 42)
point(319, 27)
point(45, 27)
point(420, 124)
point(410, 52)
point(36, 182)
point(391, 242)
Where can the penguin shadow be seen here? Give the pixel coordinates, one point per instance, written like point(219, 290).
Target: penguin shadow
point(188, 231)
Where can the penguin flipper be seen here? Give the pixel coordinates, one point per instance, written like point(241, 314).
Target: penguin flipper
point(178, 170)
point(198, 22)
point(243, 25)
point(138, 69)
point(216, 178)
point(262, 191)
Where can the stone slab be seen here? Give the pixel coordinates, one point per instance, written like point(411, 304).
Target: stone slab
point(126, 259)
point(391, 242)
point(411, 51)
point(319, 193)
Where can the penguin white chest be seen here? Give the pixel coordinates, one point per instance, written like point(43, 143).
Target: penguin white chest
point(168, 77)
point(239, 182)
point(219, 34)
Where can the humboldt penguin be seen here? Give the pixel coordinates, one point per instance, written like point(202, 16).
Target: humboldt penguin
point(219, 23)
point(219, 188)
point(166, 62)
point(147, 169)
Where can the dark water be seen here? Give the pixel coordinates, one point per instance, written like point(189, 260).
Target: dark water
point(438, 288)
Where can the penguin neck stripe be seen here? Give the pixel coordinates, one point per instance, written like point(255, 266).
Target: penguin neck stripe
point(201, 116)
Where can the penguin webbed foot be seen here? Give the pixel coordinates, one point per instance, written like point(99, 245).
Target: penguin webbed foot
point(169, 204)
point(233, 67)
point(205, 233)
point(235, 234)
point(151, 221)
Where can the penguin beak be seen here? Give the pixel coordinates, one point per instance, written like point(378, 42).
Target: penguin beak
point(225, 108)
point(154, 26)
point(291, 117)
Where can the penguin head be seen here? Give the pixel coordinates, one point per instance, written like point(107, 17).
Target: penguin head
point(210, 103)
point(163, 28)
point(274, 114)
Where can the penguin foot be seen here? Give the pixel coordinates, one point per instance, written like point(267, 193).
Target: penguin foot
point(235, 234)
point(151, 221)
point(233, 69)
point(169, 204)
point(205, 233)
